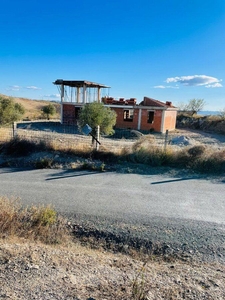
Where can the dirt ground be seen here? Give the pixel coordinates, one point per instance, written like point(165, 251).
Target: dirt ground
point(35, 271)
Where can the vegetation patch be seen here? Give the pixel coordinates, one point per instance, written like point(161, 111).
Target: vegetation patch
point(145, 151)
point(40, 223)
point(215, 124)
point(22, 147)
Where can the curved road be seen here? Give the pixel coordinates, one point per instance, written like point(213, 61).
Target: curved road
point(129, 196)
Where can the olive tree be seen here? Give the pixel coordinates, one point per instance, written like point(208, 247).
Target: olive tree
point(96, 114)
point(10, 111)
point(49, 110)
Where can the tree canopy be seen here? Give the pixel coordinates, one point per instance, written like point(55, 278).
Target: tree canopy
point(96, 114)
point(193, 106)
point(49, 110)
point(10, 111)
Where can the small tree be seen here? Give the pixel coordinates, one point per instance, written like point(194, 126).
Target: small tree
point(49, 110)
point(194, 106)
point(96, 114)
point(10, 111)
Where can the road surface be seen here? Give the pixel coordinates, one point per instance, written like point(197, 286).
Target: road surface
point(129, 196)
point(182, 215)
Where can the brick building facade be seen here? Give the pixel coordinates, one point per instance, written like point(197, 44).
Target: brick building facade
point(149, 115)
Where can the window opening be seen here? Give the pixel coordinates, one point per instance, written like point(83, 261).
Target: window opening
point(77, 111)
point(151, 116)
point(128, 115)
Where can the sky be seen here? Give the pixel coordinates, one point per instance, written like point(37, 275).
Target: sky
point(168, 50)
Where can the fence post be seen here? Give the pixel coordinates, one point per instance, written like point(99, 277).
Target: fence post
point(166, 139)
point(98, 137)
point(14, 127)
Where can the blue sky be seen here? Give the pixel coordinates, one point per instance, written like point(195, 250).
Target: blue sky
point(169, 50)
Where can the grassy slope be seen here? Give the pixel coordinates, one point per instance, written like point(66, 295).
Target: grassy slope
point(33, 107)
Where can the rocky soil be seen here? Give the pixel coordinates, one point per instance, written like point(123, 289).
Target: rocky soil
point(34, 271)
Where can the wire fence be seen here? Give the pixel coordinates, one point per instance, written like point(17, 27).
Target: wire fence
point(65, 137)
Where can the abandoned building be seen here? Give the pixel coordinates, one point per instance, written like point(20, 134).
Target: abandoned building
point(148, 115)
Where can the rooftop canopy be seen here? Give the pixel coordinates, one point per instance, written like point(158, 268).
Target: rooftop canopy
point(80, 83)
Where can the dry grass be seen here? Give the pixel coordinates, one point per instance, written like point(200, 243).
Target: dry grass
point(36, 223)
point(33, 108)
point(6, 134)
point(198, 158)
point(146, 150)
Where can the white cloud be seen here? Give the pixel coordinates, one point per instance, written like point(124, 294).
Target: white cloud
point(196, 80)
point(159, 87)
point(32, 88)
point(52, 96)
point(14, 88)
point(165, 87)
point(215, 85)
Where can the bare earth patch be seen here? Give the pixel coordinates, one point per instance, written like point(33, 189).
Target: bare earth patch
point(36, 271)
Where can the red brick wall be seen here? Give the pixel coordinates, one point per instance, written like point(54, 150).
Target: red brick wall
point(68, 114)
point(170, 120)
point(120, 123)
point(156, 125)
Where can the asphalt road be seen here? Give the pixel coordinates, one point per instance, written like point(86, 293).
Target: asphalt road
point(124, 196)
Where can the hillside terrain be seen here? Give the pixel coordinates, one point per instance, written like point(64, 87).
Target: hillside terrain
point(33, 108)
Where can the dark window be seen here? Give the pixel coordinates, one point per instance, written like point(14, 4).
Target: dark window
point(150, 117)
point(128, 115)
point(77, 111)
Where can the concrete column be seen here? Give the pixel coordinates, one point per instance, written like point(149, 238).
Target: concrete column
point(62, 100)
point(62, 93)
point(99, 94)
point(139, 119)
point(78, 94)
point(84, 94)
point(162, 129)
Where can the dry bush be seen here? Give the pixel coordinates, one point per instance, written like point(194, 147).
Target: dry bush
point(144, 142)
point(68, 147)
point(154, 156)
point(146, 151)
point(9, 215)
point(36, 223)
point(23, 147)
point(200, 159)
point(196, 151)
point(212, 162)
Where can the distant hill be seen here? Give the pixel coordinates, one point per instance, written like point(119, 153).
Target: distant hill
point(34, 107)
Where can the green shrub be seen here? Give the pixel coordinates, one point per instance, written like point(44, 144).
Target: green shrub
point(44, 163)
point(10, 111)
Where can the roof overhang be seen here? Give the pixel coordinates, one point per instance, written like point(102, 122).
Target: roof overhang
point(80, 83)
